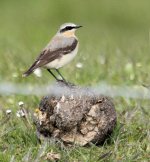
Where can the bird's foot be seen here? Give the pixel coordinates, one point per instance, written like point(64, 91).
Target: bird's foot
point(65, 82)
point(62, 81)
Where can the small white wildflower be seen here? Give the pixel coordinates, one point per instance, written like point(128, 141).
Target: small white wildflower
point(20, 103)
point(38, 72)
point(79, 65)
point(8, 111)
point(20, 113)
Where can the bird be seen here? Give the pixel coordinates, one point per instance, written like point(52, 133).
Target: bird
point(62, 48)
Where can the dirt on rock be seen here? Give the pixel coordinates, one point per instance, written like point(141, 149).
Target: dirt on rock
point(78, 117)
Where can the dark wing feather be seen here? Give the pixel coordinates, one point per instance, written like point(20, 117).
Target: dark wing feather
point(54, 50)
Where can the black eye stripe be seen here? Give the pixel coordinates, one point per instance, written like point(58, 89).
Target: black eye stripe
point(67, 28)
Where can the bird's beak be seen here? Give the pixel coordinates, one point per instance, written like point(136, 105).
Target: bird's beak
point(78, 26)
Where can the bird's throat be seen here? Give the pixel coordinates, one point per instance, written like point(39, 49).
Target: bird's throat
point(69, 34)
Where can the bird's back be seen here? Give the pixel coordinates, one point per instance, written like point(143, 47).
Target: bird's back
point(55, 49)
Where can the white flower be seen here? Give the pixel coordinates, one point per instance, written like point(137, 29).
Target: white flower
point(20, 103)
point(79, 65)
point(20, 113)
point(8, 111)
point(38, 72)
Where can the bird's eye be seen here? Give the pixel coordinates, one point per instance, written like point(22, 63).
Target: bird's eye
point(66, 28)
point(69, 27)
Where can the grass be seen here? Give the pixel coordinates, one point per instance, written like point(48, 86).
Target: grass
point(114, 48)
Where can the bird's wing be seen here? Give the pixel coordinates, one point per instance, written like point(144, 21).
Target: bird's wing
point(57, 47)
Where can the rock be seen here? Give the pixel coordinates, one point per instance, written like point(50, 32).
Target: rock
point(78, 116)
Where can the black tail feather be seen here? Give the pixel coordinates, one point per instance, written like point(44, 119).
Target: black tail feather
point(27, 73)
point(30, 70)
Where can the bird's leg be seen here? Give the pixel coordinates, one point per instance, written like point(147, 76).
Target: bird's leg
point(52, 74)
point(61, 75)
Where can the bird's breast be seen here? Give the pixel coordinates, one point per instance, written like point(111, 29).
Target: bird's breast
point(63, 60)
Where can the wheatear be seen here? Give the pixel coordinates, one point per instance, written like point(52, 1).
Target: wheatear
point(60, 50)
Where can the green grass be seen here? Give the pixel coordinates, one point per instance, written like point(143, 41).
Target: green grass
point(114, 48)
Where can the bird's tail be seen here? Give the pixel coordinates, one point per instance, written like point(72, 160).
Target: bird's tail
point(29, 71)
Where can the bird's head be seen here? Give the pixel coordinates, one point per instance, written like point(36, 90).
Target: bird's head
point(68, 29)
